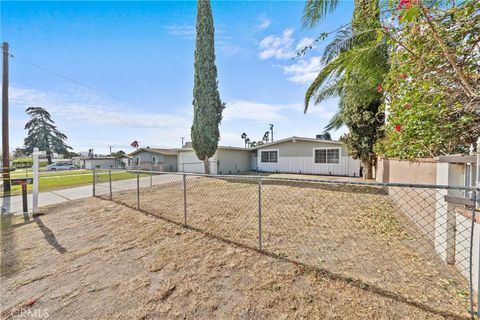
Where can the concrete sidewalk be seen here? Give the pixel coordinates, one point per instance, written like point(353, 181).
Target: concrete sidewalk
point(14, 204)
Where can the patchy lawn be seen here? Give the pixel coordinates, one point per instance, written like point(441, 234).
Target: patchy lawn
point(57, 180)
point(98, 259)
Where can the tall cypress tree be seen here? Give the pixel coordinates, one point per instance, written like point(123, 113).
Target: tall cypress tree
point(207, 106)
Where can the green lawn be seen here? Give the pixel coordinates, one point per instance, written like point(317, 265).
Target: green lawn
point(27, 173)
point(67, 179)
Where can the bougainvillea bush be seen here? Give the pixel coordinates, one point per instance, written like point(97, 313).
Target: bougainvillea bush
point(431, 91)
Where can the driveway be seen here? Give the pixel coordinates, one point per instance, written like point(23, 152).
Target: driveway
point(14, 204)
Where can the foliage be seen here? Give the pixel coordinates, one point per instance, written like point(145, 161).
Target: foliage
point(355, 62)
point(324, 136)
point(433, 85)
point(207, 106)
point(266, 136)
point(43, 134)
point(25, 162)
point(19, 153)
point(118, 154)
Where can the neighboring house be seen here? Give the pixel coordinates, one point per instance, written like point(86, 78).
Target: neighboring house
point(90, 163)
point(227, 160)
point(154, 159)
point(306, 155)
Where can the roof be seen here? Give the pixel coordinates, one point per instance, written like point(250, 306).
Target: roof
point(164, 152)
point(293, 139)
point(95, 158)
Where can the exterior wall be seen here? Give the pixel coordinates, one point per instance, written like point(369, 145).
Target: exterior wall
point(170, 163)
point(162, 163)
point(428, 209)
point(233, 161)
point(90, 164)
point(298, 157)
point(418, 204)
point(253, 160)
point(147, 157)
point(423, 171)
point(188, 162)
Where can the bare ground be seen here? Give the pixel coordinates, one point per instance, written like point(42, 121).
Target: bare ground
point(101, 260)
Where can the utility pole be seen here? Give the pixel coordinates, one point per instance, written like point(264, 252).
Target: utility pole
point(182, 140)
point(110, 149)
point(271, 131)
point(5, 138)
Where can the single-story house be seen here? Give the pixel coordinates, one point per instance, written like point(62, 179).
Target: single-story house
point(305, 155)
point(91, 163)
point(154, 159)
point(227, 160)
point(290, 155)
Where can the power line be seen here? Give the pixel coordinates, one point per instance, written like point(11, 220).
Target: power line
point(77, 82)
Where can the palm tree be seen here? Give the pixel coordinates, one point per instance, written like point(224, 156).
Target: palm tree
point(266, 136)
point(354, 63)
point(247, 142)
point(244, 137)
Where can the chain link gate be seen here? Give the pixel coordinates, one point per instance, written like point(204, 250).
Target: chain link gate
point(415, 243)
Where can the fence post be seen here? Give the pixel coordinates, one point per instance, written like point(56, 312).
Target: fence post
point(138, 190)
point(151, 174)
point(110, 182)
point(93, 181)
point(184, 200)
point(260, 213)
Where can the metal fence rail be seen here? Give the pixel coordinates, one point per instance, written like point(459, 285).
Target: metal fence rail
point(406, 239)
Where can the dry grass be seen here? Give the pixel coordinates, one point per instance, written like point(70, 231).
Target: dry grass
point(97, 259)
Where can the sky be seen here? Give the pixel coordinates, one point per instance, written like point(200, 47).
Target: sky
point(114, 72)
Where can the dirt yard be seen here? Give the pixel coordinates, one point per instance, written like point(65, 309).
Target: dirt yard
point(101, 260)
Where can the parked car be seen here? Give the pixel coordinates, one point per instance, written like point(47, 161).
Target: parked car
point(60, 166)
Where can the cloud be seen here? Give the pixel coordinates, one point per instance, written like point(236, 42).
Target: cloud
point(90, 119)
point(257, 111)
point(304, 70)
point(278, 47)
point(186, 32)
point(264, 23)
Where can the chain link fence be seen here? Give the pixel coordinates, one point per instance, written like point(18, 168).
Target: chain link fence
point(409, 242)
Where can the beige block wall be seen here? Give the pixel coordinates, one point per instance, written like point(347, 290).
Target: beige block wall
point(418, 204)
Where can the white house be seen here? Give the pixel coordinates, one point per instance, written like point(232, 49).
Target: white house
point(291, 155)
point(306, 155)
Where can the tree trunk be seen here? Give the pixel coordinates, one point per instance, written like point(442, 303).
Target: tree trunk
point(49, 158)
point(367, 169)
point(206, 163)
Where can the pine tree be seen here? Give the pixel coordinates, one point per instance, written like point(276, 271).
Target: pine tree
point(207, 106)
point(44, 134)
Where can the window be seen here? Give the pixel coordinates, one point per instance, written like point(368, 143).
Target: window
point(269, 156)
point(327, 155)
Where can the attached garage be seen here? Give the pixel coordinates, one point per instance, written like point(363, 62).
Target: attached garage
point(306, 155)
point(227, 160)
